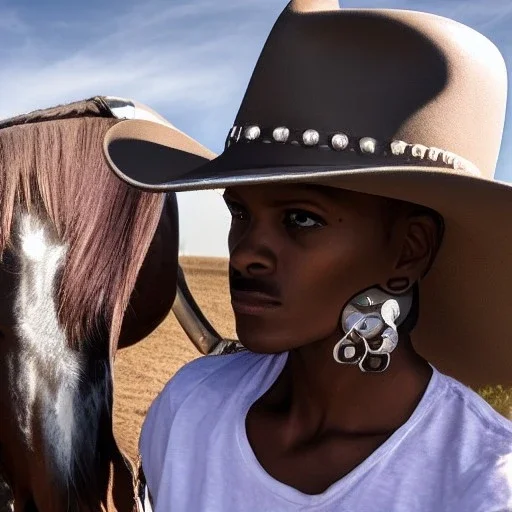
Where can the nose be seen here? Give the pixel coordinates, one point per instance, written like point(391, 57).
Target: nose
point(253, 252)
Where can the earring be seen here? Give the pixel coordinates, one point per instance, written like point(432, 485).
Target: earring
point(398, 284)
point(370, 322)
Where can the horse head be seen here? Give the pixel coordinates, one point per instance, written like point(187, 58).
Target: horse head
point(87, 264)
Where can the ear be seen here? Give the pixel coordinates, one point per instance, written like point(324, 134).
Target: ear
point(418, 249)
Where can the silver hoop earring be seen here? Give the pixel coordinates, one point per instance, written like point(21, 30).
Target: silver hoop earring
point(370, 322)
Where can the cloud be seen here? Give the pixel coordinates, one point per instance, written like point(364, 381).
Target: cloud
point(35, 84)
point(170, 56)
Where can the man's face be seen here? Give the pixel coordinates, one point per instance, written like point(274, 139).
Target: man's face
point(298, 254)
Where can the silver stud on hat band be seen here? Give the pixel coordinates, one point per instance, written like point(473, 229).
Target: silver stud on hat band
point(368, 145)
point(252, 132)
point(339, 141)
point(310, 137)
point(419, 151)
point(398, 147)
point(281, 134)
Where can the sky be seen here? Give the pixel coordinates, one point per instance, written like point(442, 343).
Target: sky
point(190, 60)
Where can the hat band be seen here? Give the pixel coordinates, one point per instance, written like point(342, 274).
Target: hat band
point(341, 142)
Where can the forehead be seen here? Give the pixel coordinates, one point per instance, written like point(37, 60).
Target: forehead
point(286, 191)
point(323, 196)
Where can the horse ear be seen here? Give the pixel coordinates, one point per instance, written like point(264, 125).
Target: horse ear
point(155, 289)
point(148, 155)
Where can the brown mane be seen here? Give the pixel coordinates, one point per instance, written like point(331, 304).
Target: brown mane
point(52, 164)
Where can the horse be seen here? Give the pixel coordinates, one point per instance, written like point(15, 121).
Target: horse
point(87, 265)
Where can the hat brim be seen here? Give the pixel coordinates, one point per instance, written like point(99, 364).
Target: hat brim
point(140, 152)
point(462, 326)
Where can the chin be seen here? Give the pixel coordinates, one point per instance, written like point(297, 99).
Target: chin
point(261, 341)
point(267, 336)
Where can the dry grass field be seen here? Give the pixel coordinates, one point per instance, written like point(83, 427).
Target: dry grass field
point(141, 371)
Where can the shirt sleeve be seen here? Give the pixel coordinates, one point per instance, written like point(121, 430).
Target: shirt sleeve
point(154, 438)
point(157, 427)
point(157, 431)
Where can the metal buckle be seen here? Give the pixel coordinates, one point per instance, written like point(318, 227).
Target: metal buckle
point(122, 108)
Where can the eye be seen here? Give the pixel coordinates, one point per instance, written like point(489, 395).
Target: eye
point(302, 219)
point(238, 212)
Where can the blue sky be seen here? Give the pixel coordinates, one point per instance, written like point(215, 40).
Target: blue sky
point(190, 60)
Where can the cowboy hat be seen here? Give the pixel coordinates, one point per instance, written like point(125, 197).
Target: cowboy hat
point(394, 103)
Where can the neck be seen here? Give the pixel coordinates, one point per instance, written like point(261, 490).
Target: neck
point(323, 395)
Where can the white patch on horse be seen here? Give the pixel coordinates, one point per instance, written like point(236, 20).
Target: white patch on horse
point(33, 244)
point(49, 372)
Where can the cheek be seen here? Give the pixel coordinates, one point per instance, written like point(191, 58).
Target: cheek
point(317, 290)
point(317, 295)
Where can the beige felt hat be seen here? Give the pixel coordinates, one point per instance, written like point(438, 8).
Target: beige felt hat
point(394, 103)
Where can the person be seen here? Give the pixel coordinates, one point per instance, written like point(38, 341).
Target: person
point(369, 273)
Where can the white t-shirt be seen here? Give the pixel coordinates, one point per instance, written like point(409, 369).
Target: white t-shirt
point(454, 454)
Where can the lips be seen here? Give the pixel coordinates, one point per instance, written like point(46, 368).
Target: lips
point(253, 302)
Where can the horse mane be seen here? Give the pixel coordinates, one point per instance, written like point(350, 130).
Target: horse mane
point(52, 165)
point(93, 107)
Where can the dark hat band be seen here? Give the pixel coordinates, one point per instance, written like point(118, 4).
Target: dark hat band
point(341, 142)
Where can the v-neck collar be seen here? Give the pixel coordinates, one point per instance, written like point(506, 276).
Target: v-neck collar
point(292, 495)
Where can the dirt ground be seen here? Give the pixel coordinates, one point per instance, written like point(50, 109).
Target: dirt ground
point(142, 370)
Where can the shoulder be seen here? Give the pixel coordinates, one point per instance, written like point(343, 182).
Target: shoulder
point(198, 376)
point(482, 439)
point(477, 415)
point(201, 387)
point(212, 373)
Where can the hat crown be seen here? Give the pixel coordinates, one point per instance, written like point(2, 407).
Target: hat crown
point(313, 5)
point(385, 74)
